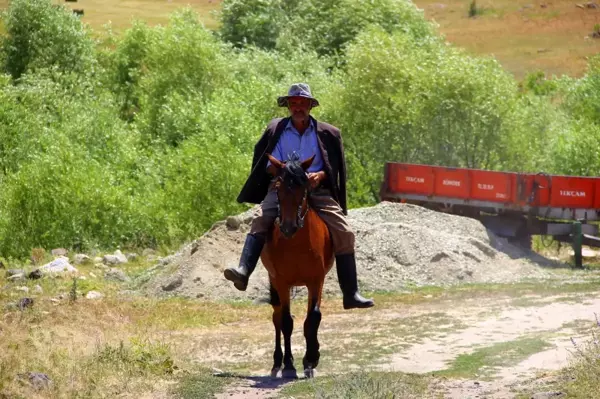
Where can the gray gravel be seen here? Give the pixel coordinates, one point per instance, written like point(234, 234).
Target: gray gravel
point(398, 246)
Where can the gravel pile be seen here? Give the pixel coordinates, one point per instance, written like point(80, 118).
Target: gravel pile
point(397, 246)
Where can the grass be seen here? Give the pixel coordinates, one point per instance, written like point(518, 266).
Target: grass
point(128, 344)
point(532, 301)
point(200, 384)
point(522, 35)
point(120, 14)
point(359, 385)
point(579, 326)
point(580, 379)
point(382, 338)
point(486, 290)
point(80, 369)
point(119, 345)
point(96, 348)
point(482, 362)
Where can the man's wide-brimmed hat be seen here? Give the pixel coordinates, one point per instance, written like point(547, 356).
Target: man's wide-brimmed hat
point(297, 90)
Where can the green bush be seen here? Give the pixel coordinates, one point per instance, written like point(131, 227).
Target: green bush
point(42, 35)
point(324, 26)
point(125, 67)
point(403, 100)
point(534, 126)
point(199, 181)
point(184, 62)
point(582, 97)
point(70, 169)
point(537, 83)
point(62, 200)
point(253, 22)
point(151, 145)
point(327, 26)
point(576, 150)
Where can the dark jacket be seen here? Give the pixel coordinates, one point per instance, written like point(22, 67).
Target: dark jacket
point(334, 163)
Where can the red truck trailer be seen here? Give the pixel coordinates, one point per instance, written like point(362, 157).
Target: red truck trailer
point(512, 205)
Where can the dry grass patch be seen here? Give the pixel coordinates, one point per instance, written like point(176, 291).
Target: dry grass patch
point(124, 344)
point(523, 35)
point(83, 362)
point(360, 385)
point(120, 14)
point(104, 348)
point(371, 342)
point(483, 362)
point(580, 379)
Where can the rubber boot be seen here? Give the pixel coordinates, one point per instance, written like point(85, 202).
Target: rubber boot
point(346, 271)
point(250, 255)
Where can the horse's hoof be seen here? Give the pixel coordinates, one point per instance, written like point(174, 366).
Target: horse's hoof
point(310, 373)
point(289, 373)
point(275, 372)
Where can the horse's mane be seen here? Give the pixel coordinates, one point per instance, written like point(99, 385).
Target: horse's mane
point(293, 173)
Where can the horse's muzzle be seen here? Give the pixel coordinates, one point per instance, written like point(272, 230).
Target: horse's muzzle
point(288, 229)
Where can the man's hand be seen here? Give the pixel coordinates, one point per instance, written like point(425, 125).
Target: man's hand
point(315, 178)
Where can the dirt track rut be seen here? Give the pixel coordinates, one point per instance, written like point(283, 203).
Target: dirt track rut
point(421, 338)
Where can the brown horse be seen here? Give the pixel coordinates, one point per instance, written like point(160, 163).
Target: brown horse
point(298, 253)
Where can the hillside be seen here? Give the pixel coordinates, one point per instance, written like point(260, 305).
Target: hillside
point(523, 35)
point(119, 14)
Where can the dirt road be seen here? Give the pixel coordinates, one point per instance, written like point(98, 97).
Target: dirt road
point(473, 344)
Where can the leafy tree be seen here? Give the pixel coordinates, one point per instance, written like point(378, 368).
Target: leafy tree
point(582, 99)
point(324, 26)
point(184, 62)
point(327, 26)
point(253, 22)
point(576, 150)
point(42, 35)
point(403, 100)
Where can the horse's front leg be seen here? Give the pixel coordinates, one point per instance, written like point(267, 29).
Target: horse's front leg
point(278, 353)
point(287, 326)
point(311, 328)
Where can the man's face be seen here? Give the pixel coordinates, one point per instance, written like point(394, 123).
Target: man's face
point(299, 107)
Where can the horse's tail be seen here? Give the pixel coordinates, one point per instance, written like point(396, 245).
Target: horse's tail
point(271, 298)
point(263, 300)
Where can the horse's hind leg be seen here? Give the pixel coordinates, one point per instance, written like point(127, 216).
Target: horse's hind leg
point(311, 328)
point(277, 354)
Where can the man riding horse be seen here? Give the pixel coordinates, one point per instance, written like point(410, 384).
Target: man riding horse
point(303, 134)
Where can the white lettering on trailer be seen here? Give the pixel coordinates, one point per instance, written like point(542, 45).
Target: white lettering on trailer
point(500, 195)
point(455, 183)
point(566, 193)
point(415, 179)
point(485, 186)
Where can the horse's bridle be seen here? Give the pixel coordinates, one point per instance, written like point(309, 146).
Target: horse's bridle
point(299, 216)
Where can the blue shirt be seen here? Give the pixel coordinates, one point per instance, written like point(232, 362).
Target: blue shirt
point(306, 145)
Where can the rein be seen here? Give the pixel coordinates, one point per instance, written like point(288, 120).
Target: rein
point(299, 216)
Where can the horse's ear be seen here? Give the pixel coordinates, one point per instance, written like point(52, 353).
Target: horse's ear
point(306, 163)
